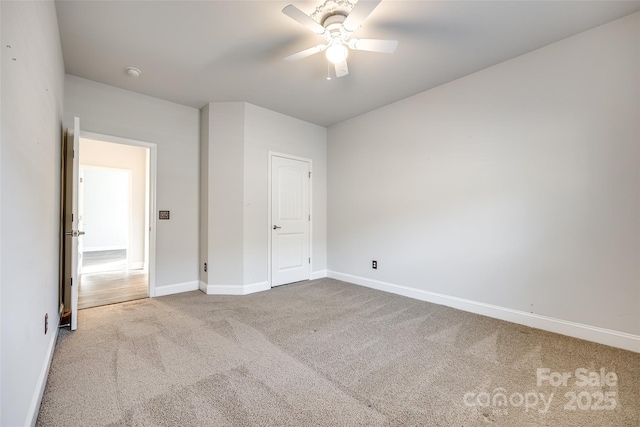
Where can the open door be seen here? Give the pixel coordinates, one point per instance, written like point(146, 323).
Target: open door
point(71, 166)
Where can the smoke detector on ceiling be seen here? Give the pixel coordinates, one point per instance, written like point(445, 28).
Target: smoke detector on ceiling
point(133, 72)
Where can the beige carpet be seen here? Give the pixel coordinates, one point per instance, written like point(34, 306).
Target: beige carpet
point(325, 353)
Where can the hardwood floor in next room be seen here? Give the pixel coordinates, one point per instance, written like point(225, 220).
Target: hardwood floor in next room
point(105, 280)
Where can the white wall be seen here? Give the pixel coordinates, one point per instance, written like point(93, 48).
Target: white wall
point(175, 129)
point(105, 208)
point(32, 99)
point(518, 186)
point(225, 206)
point(240, 136)
point(204, 196)
point(2, 54)
point(120, 156)
point(266, 131)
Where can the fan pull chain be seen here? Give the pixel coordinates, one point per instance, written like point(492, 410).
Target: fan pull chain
point(328, 71)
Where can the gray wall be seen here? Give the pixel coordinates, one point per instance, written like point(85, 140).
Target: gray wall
point(237, 143)
point(517, 186)
point(175, 129)
point(31, 122)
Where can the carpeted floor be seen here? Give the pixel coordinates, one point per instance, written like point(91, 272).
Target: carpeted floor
point(327, 353)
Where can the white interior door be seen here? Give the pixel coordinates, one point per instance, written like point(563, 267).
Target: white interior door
point(81, 225)
point(290, 214)
point(71, 220)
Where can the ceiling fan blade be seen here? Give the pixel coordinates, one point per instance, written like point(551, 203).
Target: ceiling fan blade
point(359, 13)
point(302, 18)
point(342, 69)
point(306, 52)
point(374, 45)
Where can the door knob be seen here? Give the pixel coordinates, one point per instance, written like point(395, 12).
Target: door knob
point(275, 227)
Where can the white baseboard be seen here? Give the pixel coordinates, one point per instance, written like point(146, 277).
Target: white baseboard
point(320, 274)
point(256, 287)
point(234, 289)
point(577, 330)
point(177, 288)
point(103, 248)
point(203, 286)
point(224, 290)
point(34, 407)
point(139, 265)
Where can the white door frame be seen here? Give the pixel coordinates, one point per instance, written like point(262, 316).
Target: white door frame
point(151, 197)
point(270, 219)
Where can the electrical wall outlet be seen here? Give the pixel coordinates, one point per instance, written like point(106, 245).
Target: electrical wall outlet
point(205, 267)
point(374, 265)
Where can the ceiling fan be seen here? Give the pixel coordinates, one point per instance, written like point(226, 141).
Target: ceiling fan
point(336, 21)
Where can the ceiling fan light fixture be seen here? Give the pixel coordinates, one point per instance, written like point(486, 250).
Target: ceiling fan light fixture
point(335, 21)
point(337, 53)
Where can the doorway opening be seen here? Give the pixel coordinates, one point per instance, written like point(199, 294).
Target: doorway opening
point(113, 211)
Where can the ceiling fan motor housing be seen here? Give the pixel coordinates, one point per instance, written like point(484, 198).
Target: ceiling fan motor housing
point(335, 32)
point(334, 18)
point(330, 7)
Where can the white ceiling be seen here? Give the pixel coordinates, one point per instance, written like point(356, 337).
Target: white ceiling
point(194, 52)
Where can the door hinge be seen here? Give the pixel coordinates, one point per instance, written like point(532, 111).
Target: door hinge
point(309, 174)
point(309, 217)
point(309, 260)
point(71, 281)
